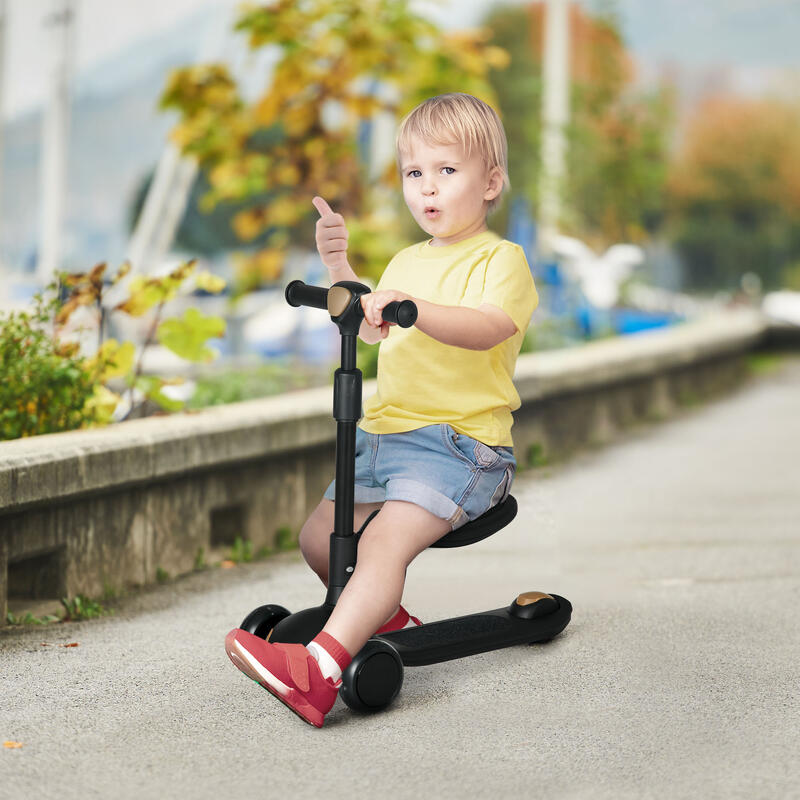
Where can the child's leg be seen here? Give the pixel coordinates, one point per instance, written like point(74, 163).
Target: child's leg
point(390, 543)
point(315, 536)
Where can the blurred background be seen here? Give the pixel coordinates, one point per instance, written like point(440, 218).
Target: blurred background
point(653, 149)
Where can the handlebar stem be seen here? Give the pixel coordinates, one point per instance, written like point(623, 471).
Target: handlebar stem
point(344, 306)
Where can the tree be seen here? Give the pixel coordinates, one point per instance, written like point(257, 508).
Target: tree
point(617, 137)
point(735, 193)
point(339, 64)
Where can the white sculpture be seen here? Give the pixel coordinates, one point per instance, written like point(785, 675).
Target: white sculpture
point(599, 276)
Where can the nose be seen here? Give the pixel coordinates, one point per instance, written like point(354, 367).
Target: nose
point(428, 186)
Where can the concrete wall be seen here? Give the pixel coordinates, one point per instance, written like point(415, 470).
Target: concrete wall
point(88, 512)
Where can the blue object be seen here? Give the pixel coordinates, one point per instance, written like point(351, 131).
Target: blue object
point(522, 229)
point(632, 320)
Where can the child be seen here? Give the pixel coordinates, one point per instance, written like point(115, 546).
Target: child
point(434, 448)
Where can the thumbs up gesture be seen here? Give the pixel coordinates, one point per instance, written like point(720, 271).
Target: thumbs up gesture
point(331, 236)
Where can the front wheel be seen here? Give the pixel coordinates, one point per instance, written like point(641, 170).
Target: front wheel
point(260, 621)
point(373, 678)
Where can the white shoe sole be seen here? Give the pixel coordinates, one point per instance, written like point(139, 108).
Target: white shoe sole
point(258, 672)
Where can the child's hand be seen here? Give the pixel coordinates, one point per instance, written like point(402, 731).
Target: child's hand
point(331, 236)
point(374, 303)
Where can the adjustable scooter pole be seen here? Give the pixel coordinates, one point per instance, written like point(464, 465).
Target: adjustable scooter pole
point(343, 302)
point(344, 305)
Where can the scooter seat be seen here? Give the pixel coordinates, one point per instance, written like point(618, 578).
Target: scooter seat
point(484, 526)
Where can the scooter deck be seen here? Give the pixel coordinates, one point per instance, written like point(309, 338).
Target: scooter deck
point(475, 633)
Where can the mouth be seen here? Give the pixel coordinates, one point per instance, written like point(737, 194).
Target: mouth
point(431, 212)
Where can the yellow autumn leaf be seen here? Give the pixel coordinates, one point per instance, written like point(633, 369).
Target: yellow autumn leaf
point(496, 57)
point(100, 406)
point(183, 270)
point(330, 189)
point(287, 174)
point(299, 119)
point(116, 358)
point(248, 224)
point(314, 148)
point(12, 745)
point(266, 111)
point(264, 266)
point(121, 273)
point(144, 294)
point(186, 336)
point(269, 263)
point(209, 283)
point(284, 213)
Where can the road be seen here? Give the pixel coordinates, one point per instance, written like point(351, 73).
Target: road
point(679, 547)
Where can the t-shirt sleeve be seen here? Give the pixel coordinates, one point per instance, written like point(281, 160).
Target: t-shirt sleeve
point(505, 281)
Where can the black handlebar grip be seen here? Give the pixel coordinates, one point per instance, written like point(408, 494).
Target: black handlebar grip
point(403, 313)
point(301, 294)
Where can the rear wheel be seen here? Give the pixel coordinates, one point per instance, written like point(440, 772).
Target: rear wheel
point(260, 621)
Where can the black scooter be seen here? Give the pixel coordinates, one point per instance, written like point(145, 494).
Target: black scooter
point(375, 675)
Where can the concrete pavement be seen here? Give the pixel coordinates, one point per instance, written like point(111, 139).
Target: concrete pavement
point(679, 548)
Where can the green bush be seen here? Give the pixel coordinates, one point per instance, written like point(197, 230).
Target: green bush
point(46, 384)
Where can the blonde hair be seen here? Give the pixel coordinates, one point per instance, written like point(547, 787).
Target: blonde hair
point(462, 119)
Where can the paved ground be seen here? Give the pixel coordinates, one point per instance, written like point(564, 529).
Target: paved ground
point(678, 677)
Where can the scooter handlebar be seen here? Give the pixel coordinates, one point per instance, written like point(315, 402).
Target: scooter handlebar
point(403, 313)
point(301, 294)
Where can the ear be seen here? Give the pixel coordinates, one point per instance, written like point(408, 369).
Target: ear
point(494, 184)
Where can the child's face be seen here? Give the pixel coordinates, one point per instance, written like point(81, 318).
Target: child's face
point(447, 193)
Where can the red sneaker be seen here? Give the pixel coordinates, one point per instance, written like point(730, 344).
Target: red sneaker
point(288, 671)
point(397, 622)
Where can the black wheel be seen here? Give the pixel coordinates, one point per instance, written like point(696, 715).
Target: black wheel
point(260, 621)
point(373, 678)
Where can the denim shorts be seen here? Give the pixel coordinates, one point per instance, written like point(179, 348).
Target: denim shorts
point(447, 473)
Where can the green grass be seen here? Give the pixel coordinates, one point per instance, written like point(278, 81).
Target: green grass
point(30, 619)
point(241, 552)
point(76, 608)
point(81, 607)
point(284, 540)
point(535, 456)
point(764, 363)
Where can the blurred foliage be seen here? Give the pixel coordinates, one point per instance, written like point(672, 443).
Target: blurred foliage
point(274, 377)
point(81, 607)
point(50, 386)
point(202, 233)
point(735, 194)
point(46, 385)
point(519, 96)
point(618, 138)
point(338, 65)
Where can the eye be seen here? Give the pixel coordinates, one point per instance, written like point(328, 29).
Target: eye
point(414, 173)
point(452, 170)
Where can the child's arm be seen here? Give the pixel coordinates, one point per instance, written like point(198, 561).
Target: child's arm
point(478, 328)
point(331, 237)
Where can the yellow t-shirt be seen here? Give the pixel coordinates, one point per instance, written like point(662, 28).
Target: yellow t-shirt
point(424, 382)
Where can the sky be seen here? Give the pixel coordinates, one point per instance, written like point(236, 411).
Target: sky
point(102, 28)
